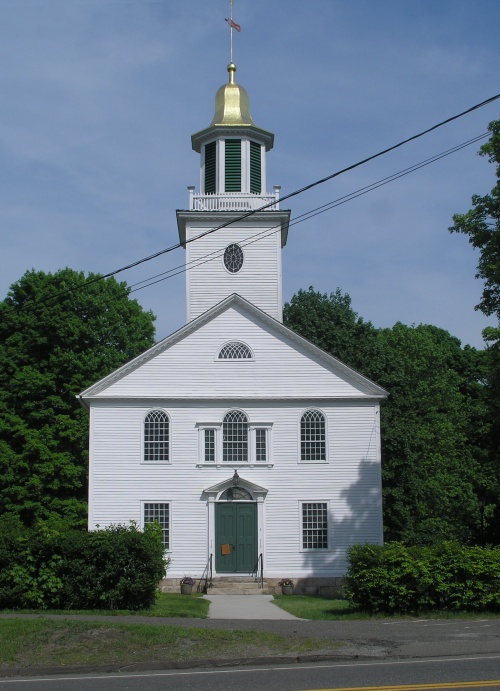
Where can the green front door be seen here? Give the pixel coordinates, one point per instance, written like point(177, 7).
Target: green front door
point(235, 537)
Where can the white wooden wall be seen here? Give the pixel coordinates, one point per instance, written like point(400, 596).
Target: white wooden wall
point(349, 481)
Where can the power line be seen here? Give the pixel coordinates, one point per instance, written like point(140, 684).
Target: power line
point(182, 268)
point(321, 181)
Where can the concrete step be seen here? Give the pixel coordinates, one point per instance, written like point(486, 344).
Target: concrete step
point(244, 585)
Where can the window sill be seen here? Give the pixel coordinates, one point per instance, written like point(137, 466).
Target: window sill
point(155, 463)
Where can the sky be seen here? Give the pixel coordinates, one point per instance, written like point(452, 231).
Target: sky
point(100, 98)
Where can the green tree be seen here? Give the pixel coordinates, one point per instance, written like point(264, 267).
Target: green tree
point(482, 224)
point(57, 337)
point(433, 427)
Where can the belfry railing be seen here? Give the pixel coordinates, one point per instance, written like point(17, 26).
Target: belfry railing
point(233, 201)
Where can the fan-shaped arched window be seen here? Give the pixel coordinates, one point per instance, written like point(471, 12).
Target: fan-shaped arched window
point(235, 351)
point(312, 436)
point(235, 437)
point(156, 436)
point(236, 494)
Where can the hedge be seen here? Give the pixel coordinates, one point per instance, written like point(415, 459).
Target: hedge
point(397, 578)
point(44, 568)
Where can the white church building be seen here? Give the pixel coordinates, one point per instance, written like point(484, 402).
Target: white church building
point(257, 452)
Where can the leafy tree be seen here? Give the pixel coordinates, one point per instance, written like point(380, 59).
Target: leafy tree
point(57, 337)
point(482, 224)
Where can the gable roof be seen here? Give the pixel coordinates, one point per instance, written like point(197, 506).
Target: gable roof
point(368, 387)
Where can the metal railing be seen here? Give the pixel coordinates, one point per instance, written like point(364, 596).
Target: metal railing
point(205, 581)
point(258, 571)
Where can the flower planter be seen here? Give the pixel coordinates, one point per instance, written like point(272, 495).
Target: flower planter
point(186, 588)
point(287, 589)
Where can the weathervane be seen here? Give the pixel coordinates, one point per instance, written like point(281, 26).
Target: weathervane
point(232, 26)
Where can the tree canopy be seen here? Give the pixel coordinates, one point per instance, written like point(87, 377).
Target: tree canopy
point(57, 336)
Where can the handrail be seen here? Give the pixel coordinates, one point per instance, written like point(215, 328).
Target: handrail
point(206, 576)
point(259, 572)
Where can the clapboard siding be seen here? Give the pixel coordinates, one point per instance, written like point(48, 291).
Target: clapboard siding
point(348, 482)
point(259, 280)
point(190, 367)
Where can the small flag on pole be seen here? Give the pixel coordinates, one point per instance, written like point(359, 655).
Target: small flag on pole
point(233, 25)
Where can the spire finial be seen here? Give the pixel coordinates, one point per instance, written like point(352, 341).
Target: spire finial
point(232, 26)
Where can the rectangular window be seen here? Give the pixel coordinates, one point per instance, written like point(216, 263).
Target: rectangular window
point(159, 512)
point(260, 445)
point(209, 456)
point(314, 525)
point(233, 165)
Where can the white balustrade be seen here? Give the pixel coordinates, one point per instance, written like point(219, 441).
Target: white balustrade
point(233, 201)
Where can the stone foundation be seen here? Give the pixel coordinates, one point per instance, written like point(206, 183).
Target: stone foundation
point(327, 587)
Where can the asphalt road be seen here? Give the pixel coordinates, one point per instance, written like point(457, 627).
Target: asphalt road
point(468, 672)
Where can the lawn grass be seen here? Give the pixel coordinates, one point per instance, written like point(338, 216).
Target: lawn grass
point(166, 605)
point(324, 608)
point(41, 642)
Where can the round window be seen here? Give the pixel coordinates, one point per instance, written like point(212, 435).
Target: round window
point(233, 258)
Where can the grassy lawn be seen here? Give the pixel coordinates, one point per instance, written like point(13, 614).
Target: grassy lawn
point(166, 605)
point(316, 607)
point(28, 642)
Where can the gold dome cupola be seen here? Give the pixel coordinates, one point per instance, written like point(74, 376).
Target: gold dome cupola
point(232, 147)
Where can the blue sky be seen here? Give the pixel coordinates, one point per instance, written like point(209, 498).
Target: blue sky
point(100, 98)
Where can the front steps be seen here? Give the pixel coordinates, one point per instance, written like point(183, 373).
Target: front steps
point(237, 585)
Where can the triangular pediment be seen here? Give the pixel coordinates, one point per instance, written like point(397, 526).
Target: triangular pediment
point(185, 364)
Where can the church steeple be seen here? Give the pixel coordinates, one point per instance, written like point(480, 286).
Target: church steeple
point(232, 147)
point(243, 257)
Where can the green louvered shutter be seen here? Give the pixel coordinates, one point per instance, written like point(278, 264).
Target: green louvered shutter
point(255, 168)
point(210, 167)
point(233, 165)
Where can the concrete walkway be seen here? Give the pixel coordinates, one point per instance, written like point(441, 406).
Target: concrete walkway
point(245, 607)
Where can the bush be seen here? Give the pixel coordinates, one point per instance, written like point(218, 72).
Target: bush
point(46, 568)
point(397, 578)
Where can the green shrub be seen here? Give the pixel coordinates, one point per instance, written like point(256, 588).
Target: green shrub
point(47, 568)
point(397, 578)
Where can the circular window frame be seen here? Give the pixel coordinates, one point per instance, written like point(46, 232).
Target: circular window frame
point(226, 259)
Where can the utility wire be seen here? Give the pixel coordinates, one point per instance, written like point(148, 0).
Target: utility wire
point(266, 206)
point(182, 268)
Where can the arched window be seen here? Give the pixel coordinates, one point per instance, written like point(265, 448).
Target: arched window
point(236, 494)
point(312, 436)
point(235, 351)
point(235, 437)
point(156, 436)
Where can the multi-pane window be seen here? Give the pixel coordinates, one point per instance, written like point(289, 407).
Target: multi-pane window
point(159, 512)
point(235, 351)
point(314, 525)
point(156, 436)
point(235, 437)
point(209, 441)
point(260, 445)
point(313, 436)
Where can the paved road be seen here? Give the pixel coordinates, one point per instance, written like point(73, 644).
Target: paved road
point(469, 672)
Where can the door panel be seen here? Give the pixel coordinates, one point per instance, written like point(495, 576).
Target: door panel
point(236, 526)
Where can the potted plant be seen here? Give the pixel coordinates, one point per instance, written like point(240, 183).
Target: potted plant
point(286, 586)
point(187, 585)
